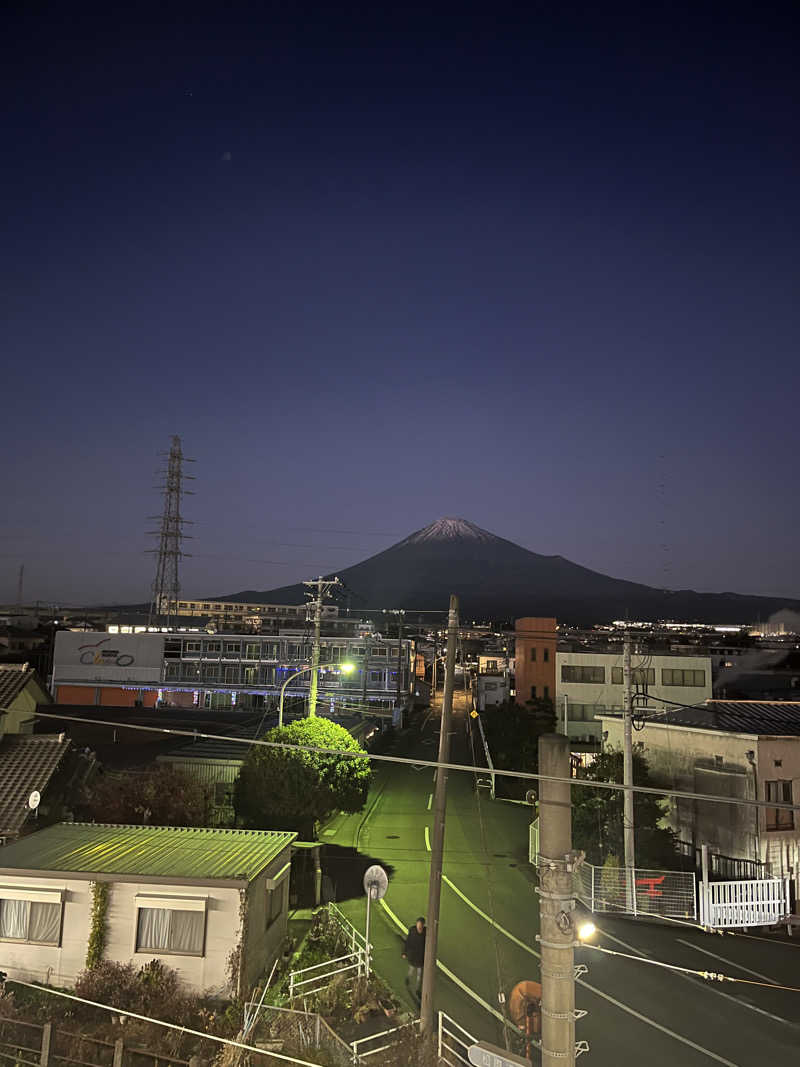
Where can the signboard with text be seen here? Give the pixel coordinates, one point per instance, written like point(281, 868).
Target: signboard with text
point(102, 657)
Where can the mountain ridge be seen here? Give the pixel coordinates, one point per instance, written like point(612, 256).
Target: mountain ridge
point(497, 578)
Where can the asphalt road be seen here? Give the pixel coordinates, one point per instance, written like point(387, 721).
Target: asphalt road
point(637, 1013)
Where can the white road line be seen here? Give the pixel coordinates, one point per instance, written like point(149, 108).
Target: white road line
point(711, 988)
point(427, 839)
point(453, 977)
point(724, 959)
point(430, 800)
point(599, 992)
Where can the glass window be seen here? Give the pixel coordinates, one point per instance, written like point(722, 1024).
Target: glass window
point(376, 676)
point(546, 654)
point(250, 675)
point(28, 920)
point(533, 655)
point(213, 647)
point(639, 676)
point(232, 648)
point(586, 675)
point(379, 650)
point(780, 792)
point(165, 930)
point(274, 904)
point(547, 692)
point(533, 692)
point(231, 674)
point(251, 650)
point(210, 672)
point(192, 646)
point(671, 676)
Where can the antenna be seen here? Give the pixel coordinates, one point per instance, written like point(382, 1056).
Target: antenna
point(20, 584)
point(166, 584)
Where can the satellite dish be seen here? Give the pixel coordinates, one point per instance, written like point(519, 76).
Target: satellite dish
point(34, 800)
point(376, 882)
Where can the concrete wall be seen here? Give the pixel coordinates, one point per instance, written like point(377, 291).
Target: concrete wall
point(263, 939)
point(716, 762)
point(539, 634)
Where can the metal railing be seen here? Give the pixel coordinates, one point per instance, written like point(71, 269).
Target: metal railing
point(668, 893)
point(362, 1049)
point(751, 902)
point(452, 1042)
point(488, 755)
point(305, 1031)
point(312, 979)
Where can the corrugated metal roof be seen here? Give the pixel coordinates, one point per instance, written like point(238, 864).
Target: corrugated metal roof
point(148, 851)
point(764, 717)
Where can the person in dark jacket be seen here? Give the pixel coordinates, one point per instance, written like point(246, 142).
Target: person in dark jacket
point(415, 954)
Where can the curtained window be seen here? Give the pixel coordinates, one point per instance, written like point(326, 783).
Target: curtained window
point(28, 920)
point(170, 930)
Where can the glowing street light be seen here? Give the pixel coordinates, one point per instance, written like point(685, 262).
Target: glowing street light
point(586, 931)
point(344, 668)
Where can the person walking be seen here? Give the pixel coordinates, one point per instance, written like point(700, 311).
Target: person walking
point(415, 954)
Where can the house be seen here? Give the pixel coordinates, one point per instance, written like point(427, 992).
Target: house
point(729, 748)
point(212, 904)
point(45, 768)
point(491, 689)
point(22, 690)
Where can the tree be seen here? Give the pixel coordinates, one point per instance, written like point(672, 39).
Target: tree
point(279, 788)
point(512, 734)
point(597, 825)
point(160, 796)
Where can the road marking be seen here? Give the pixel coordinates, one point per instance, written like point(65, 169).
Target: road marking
point(594, 989)
point(711, 989)
point(723, 959)
point(430, 800)
point(427, 839)
point(453, 977)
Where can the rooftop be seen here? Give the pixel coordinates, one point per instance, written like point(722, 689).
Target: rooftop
point(13, 679)
point(763, 717)
point(165, 852)
point(27, 762)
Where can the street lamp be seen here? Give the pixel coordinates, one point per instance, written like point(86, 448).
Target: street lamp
point(345, 668)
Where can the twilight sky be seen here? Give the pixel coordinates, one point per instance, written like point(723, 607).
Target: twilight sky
point(382, 263)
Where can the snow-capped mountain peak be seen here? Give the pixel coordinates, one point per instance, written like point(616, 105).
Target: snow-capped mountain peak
point(449, 529)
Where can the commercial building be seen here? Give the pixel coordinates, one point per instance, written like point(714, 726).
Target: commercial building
point(535, 659)
point(734, 749)
point(590, 683)
point(228, 612)
point(188, 897)
point(226, 670)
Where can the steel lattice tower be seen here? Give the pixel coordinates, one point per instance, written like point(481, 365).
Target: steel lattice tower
point(166, 584)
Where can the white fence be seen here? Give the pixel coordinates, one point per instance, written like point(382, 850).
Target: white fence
point(452, 1042)
point(667, 893)
point(754, 902)
point(349, 965)
point(364, 1047)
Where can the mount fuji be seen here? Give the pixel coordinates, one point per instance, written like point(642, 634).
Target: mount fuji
point(497, 579)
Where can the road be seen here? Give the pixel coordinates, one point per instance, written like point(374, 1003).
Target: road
point(636, 1012)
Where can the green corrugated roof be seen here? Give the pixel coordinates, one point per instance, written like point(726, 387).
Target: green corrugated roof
point(147, 851)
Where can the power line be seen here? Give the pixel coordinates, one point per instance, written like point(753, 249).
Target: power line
point(583, 783)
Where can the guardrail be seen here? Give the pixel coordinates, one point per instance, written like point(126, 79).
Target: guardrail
point(362, 1051)
point(751, 902)
point(452, 1042)
point(352, 964)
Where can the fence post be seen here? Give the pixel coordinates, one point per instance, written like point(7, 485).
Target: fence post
point(44, 1055)
point(119, 1049)
point(591, 868)
point(439, 1052)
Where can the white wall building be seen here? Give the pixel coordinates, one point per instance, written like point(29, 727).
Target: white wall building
point(188, 897)
point(589, 683)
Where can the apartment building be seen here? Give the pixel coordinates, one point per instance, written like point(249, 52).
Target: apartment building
point(227, 612)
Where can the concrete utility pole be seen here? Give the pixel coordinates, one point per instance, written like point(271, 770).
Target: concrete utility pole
point(439, 808)
point(399, 613)
point(556, 904)
point(627, 775)
point(365, 671)
point(321, 587)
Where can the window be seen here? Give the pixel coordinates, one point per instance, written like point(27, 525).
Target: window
point(210, 672)
point(547, 692)
point(251, 650)
point(491, 665)
point(192, 646)
point(587, 675)
point(213, 647)
point(671, 676)
point(232, 648)
point(250, 675)
point(376, 676)
point(533, 655)
point(546, 654)
point(379, 650)
point(35, 921)
point(533, 692)
point(206, 607)
point(583, 712)
point(780, 792)
point(171, 929)
point(639, 676)
point(231, 674)
point(274, 904)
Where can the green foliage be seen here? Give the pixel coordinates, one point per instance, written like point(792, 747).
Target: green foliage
point(97, 932)
point(285, 789)
point(512, 734)
point(597, 826)
point(160, 797)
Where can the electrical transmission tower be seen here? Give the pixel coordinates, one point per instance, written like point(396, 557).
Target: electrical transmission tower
point(319, 588)
point(166, 584)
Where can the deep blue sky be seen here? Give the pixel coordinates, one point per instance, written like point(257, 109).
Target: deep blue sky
point(532, 267)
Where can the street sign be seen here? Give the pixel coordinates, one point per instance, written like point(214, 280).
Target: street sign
point(485, 1055)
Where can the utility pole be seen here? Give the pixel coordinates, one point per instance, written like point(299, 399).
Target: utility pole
point(556, 904)
point(319, 589)
point(627, 775)
point(365, 671)
point(433, 670)
point(20, 581)
point(439, 809)
point(399, 613)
